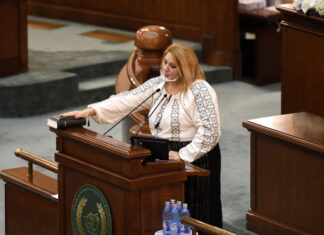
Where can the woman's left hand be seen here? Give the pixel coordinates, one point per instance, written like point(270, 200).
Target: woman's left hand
point(173, 155)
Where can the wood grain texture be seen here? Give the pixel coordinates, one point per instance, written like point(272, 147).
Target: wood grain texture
point(135, 193)
point(13, 37)
point(30, 205)
point(302, 62)
point(287, 161)
point(44, 25)
point(109, 36)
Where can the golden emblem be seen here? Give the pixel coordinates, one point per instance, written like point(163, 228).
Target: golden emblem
point(81, 204)
point(91, 221)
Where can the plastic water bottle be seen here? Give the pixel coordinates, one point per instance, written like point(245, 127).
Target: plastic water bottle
point(185, 228)
point(172, 201)
point(174, 221)
point(179, 207)
point(166, 215)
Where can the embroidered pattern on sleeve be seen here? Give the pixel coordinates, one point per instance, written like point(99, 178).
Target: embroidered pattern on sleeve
point(207, 114)
point(142, 88)
point(175, 124)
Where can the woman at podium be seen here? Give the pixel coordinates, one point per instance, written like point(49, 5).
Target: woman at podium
point(184, 110)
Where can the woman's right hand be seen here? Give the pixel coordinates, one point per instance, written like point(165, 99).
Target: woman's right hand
point(80, 113)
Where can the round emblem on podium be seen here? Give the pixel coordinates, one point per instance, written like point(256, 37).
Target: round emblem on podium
point(90, 212)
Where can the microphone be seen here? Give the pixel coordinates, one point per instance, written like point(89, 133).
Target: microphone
point(140, 128)
point(156, 91)
point(156, 126)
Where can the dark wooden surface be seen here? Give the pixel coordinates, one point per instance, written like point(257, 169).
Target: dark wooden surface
point(30, 207)
point(135, 193)
point(287, 162)
point(268, 13)
point(261, 58)
point(13, 37)
point(190, 169)
point(214, 23)
point(302, 62)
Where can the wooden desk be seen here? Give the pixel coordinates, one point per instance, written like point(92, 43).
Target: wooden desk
point(30, 207)
point(261, 58)
point(287, 172)
point(302, 62)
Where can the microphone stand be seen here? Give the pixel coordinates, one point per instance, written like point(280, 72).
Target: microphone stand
point(138, 130)
point(157, 90)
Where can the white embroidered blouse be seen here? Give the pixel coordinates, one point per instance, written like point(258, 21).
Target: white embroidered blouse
point(191, 117)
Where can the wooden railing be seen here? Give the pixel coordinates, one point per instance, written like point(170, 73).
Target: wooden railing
point(197, 225)
point(34, 159)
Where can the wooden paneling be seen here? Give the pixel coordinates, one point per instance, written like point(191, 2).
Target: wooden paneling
point(214, 23)
point(287, 193)
point(178, 16)
point(135, 193)
point(220, 41)
point(302, 62)
point(13, 37)
point(27, 213)
point(30, 207)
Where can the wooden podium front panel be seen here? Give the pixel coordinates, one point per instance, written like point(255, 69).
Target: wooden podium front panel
point(135, 205)
point(288, 185)
point(287, 168)
point(115, 196)
point(302, 62)
point(27, 213)
point(303, 80)
point(135, 193)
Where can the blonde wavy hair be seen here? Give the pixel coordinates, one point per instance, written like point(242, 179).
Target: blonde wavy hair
point(187, 65)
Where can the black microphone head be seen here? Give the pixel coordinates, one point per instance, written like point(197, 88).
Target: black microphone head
point(157, 125)
point(165, 95)
point(157, 90)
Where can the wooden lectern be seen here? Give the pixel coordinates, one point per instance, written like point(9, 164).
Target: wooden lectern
point(302, 79)
point(134, 192)
point(98, 171)
point(287, 172)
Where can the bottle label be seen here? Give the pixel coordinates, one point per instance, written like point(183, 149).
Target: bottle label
point(173, 229)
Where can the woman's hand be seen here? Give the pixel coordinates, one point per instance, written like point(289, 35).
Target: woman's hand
point(173, 155)
point(80, 113)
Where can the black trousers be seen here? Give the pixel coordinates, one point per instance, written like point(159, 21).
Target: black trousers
point(203, 193)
